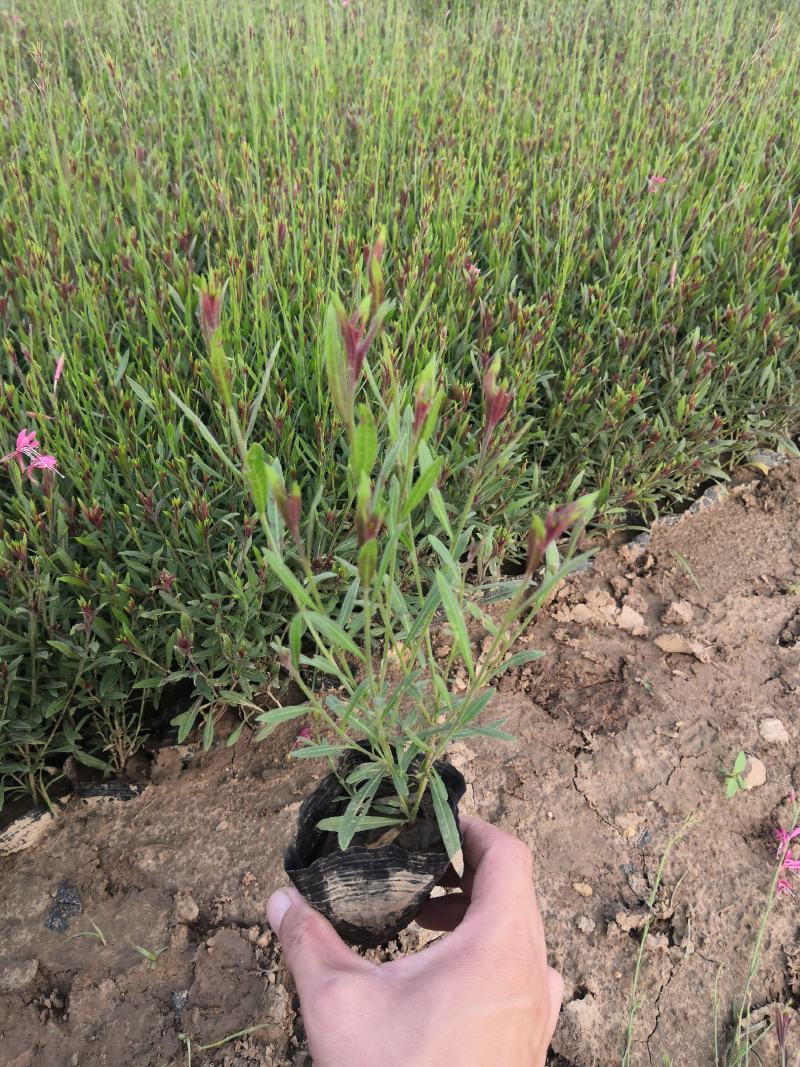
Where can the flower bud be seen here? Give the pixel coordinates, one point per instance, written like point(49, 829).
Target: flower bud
point(210, 309)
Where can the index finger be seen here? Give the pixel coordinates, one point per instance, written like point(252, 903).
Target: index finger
point(502, 882)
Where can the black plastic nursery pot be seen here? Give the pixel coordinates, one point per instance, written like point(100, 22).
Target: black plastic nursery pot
point(369, 892)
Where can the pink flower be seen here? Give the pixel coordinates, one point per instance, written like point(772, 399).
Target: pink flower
point(472, 274)
point(209, 311)
point(542, 534)
point(784, 888)
point(47, 463)
point(304, 735)
point(673, 274)
point(28, 448)
point(26, 439)
point(785, 837)
point(496, 401)
point(27, 445)
point(58, 371)
point(653, 182)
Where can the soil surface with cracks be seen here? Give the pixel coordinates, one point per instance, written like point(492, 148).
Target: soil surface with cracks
point(662, 662)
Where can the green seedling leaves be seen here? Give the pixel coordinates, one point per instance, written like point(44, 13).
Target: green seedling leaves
point(456, 620)
point(444, 816)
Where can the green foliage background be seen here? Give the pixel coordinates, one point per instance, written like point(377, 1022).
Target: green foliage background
point(650, 336)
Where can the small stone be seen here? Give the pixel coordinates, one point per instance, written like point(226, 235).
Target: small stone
point(658, 942)
point(223, 825)
point(630, 920)
point(17, 976)
point(677, 644)
point(755, 773)
point(582, 888)
point(628, 832)
point(678, 613)
point(774, 731)
point(265, 939)
point(631, 621)
point(585, 924)
point(550, 815)
point(252, 934)
point(186, 910)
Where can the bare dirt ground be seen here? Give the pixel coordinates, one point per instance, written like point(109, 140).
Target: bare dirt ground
point(662, 662)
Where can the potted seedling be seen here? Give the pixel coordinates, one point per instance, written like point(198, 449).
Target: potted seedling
point(379, 832)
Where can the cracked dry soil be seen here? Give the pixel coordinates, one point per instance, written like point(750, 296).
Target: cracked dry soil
point(661, 664)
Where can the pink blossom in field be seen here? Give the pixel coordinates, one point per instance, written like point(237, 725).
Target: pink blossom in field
point(40, 462)
point(26, 439)
point(26, 445)
point(785, 837)
point(787, 861)
point(209, 312)
point(673, 274)
point(653, 182)
point(58, 371)
point(304, 735)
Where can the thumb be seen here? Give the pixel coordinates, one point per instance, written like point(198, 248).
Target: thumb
point(311, 947)
point(555, 988)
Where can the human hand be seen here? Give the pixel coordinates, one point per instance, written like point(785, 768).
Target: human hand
point(481, 997)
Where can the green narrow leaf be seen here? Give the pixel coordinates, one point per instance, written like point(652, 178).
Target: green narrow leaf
point(140, 394)
point(337, 637)
point(422, 486)
point(335, 366)
point(301, 596)
point(257, 477)
point(486, 621)
point(367, 561)
point(208, 731)
point(234, 735)
point(439, 510)
point(365, 822)
point(220, 371)
point(739, 763)
point(296, 630)
point(364, 772)
point(90, 761)
point(185, 722)
point(283, 714)
point(444, 816)
point(475, 707)
point(206, 434)
point(317, 751)
point(445, 556)
point(492, 730)
point(517, 660)
point(319, 663)
point(256, 405)
point(349, 602)
point(456, 620)
point(356, 812)
point(364, 448)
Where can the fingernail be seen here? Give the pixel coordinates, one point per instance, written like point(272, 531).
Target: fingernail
point(277, 906)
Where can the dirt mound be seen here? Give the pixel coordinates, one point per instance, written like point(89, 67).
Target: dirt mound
point(663, 662)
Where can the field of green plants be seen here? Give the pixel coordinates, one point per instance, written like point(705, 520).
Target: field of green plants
point(607, 196)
